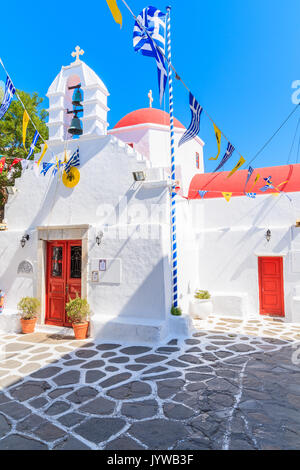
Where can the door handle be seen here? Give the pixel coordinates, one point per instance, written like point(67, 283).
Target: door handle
point(67, 289)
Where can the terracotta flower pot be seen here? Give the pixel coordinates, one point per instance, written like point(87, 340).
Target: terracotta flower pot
point(80, 329)
point(28, 326)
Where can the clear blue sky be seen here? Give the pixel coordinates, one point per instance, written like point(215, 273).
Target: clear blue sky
point(238, 57)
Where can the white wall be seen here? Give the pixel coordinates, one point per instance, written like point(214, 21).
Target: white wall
point(231, 236)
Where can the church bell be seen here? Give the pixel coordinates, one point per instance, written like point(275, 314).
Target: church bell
point(75, 127)
point(77, 97)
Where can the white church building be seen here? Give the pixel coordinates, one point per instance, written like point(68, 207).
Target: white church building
point(108, 238)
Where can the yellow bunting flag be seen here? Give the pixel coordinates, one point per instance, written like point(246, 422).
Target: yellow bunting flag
point(227, 196)
point(115, 11)
point(25, 124)
point(237, 166)
point(43, 153)
point(218, 137)
point(255, 181)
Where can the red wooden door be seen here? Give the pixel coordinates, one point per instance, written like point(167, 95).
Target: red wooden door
point(63, 279)
point(271, 290)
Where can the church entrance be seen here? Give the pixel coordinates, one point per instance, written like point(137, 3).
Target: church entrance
point(63, 279)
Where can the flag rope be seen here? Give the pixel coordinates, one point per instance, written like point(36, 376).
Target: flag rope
point(173, 177)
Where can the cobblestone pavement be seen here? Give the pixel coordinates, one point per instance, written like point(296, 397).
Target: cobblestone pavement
point(215, 390)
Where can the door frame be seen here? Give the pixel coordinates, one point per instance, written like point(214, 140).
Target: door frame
point(66, 267)
point(259, 260)
point(57, 233)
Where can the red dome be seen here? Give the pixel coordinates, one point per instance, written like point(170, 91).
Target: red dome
point(147, 115)
point(214, 183)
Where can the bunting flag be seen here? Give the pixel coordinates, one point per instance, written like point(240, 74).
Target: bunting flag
point(149, 31)
point(268, 180)
point(228, 154)
point(250, 171)
point(33, 144)
point(255, 181)
point(2, 163)
point(73, 161)
point(266, 187)
point(25, 124)
point(237, 166)
point(15, 161)
point(202, 193)
point(218, 138)
point(115, 11)
point(194, 126)
point(58, 165)
point(251, 195)
point(227, 196)
point(46, 167)
point(8, 96)
point(43, 154)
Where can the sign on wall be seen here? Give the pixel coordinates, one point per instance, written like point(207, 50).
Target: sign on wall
point(25, 267)
point(106, 271)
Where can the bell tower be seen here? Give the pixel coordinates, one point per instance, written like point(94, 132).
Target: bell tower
point(66, 110)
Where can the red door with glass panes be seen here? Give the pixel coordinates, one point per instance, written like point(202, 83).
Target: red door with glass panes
point(63, 279)
point(271, 290)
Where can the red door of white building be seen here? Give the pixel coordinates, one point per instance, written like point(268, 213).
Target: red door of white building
point(271, 286)
point(63, 279)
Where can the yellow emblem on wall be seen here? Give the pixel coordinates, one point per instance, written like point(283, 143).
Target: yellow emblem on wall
point(72, 178)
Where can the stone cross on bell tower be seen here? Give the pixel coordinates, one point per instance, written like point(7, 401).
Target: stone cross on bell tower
point(150, 98)
point(78, 52)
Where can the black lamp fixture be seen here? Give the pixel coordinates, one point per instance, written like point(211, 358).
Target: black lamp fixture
point(99, 238)
point(139, 175)
point(24, 239)
point(268, 235)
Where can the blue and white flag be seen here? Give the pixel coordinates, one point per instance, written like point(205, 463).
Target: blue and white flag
point(8, 96)
point(73, 161)
point(251, 195)
point(202, 193)
point(153, 21)
point(57, 166)
point(250, 171)
point(228, 154)
point(194, 126)
point(148, 33)
point(33, 144)
point(46, 167)
point(268, 180)
point(265, 188)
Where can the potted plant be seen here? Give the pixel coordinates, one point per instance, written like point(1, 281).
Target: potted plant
point(202, 305)
point(28, 307)
point(78, 312)
point(176, 311)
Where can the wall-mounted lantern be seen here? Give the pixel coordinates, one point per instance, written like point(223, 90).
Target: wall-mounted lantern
point(139, 175)
point(99, 238)
point(24, 239)
point(268, 235)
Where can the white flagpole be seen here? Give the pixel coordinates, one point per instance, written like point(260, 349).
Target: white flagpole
point(173, 194)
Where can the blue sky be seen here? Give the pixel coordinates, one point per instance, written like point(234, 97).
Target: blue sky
point(239, 58)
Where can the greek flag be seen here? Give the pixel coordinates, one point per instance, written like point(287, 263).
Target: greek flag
point(251, 195)
point(202, 193)
point(250, 171)
point(46, 167)
point(268, 180)
point(73, 161)
point(228, 154)
point(152, 21)
point(57, 166)
point(265, 188)
point(194, 126)
point(8, 96)
point(33, 144)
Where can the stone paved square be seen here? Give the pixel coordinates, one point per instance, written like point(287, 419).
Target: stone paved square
point(214, 390)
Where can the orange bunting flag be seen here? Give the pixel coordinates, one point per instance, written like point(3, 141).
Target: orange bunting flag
point(227, 196)
point(2, 163)
point(43, 153)
point(255, 181)
point(112, 4)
